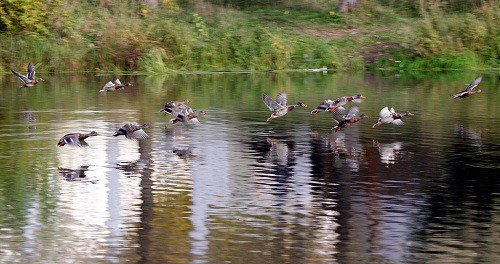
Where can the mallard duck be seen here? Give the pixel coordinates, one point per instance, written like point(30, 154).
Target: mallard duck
point(175, 107)
point(76, 139)
point(322, 107)
point(132, 131)
point(279, 106)
point(348, 119)
point(390, 116)
point(113, 86)
point(336, 105)
point(469, 90)
point(29, 79)
point(188, 118)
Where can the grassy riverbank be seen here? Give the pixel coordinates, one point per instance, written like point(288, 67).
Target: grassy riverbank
point(78, 35)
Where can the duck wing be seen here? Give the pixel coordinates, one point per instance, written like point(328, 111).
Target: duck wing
point(108, 86)
point(117, 81)
point(474, 84)
point(352, 112)
point(271, 104)
point(135, 131)
point(398, 122)
point(384, 112)
point(20, 76)
point(281, 99)
point(31, 71)
point(72, 139)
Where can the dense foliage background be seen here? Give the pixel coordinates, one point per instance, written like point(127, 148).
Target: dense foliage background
point(194, 35)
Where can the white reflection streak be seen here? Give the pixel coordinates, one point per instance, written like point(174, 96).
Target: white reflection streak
point(209, 183)
point(114, 205)
point(389, 152)
point(30, 229)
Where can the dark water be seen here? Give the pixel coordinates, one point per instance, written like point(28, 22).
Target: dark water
point(236, 189)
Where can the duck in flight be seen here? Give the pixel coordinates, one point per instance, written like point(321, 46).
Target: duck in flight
point(76, 139)
point(470, 89)
point(113, 86)
point(348, 119)
point(28, 80)
point(132, 131)
point(337, 104)
point(279, 106)
point(390, 117)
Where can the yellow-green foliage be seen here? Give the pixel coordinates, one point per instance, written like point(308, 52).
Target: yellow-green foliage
point(440, 33)
point(189, 35)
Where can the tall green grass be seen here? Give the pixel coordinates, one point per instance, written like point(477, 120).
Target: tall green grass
point(203, 36)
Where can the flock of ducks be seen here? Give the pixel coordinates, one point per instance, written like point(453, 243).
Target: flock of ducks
point(386, 115)
point(185, 114)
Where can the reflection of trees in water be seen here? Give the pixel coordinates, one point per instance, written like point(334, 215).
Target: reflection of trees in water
point(458, 214)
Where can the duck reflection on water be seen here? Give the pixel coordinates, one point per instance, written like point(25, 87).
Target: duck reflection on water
point(30, 116)
point(346, 149)
point(390, 152)
point(76, 175)
point(136, 166)
point(471, 134)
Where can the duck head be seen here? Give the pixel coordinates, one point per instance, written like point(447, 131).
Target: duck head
point(301, 104)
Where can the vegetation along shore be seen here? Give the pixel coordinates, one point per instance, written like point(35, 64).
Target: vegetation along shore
point(160, 36)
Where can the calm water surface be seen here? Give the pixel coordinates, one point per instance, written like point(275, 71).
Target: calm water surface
point(236, 189)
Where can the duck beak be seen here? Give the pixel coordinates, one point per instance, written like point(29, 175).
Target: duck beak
point(362, 97)
point(270, 118)
point(303, 105)
point(410, 114)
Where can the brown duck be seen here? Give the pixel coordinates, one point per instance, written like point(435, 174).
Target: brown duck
point(279, 106)
point(334, 105)
point(29, 80)
point(113, 86)
point(132, 131)
point(76, 139)
point(469, 90)
point(348, 119)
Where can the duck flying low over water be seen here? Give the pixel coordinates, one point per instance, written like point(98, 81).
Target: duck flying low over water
point(348, 119)
point(279, 106)
point(390, 117)
point(337, 104)
point(29, 80)
point(76, 139)
point(188, 118)
point(132, 131)
point(469, 90)
point(113, 86)
point(175, 107)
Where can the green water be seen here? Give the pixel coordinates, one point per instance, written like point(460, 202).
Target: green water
point(237, 189)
